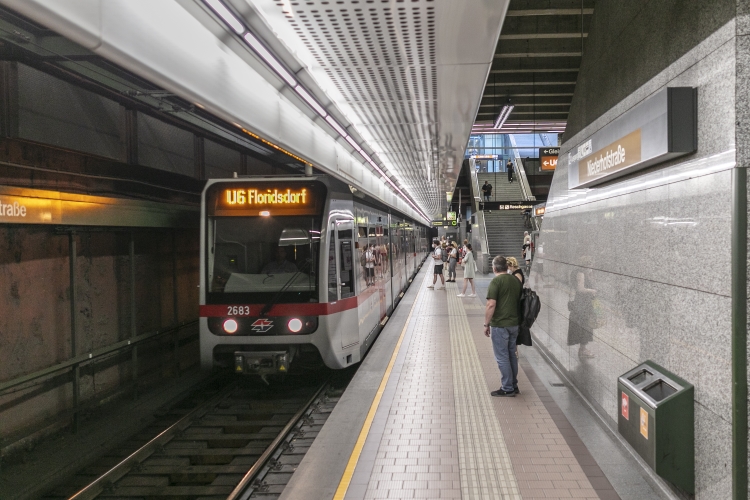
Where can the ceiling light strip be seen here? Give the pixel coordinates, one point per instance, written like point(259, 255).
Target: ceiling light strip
point(236, 25)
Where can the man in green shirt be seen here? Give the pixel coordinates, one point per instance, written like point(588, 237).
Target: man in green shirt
point(501, 324)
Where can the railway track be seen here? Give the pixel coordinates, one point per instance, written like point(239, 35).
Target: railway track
point(242, 440)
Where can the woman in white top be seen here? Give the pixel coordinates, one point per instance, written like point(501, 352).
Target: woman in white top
point(470, 268)
point(527, 249)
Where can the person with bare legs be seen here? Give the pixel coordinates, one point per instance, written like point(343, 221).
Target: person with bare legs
point(470, 268)
point(437, 258)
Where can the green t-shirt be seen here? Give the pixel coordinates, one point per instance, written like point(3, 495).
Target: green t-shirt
point(505, 289)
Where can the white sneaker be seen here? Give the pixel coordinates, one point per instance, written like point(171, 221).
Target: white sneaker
point(472, 295)
point(432, 287)
point(460, 295)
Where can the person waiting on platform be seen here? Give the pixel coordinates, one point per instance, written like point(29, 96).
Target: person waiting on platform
point(527, 250)
point(509, 168)
point(501, 323)
point(515, 270)
point(487, 190)
point(280, 265)
point(452, 261)
point(437, 260)
point(470, 268)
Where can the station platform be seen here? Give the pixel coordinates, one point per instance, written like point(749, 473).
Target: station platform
point(418, 421)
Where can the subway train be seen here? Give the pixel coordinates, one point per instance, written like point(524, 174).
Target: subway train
point(284, 271)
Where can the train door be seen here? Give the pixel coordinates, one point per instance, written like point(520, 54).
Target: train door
point(343, 253)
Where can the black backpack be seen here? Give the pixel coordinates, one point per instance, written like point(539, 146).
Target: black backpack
point(529, 307)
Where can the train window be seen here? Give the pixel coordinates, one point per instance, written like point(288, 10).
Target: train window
point(362, 231)
point(252, 257)
point(346, 264)
point(333, 282)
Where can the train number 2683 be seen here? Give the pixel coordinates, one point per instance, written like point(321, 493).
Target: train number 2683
point(238, 310)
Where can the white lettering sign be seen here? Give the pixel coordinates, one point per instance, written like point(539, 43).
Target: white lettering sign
point(13, 209)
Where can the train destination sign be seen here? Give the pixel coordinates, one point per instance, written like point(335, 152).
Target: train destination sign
point(658, 129)
point(267, 197)
point(246, 199)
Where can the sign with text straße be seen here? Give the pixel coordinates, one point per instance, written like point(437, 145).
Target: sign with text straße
point(26, 210)
point(611, 158)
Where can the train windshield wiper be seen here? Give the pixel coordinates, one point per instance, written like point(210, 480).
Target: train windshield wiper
point(283, 289)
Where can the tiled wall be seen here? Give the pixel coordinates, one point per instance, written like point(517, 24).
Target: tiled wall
point(656, 248)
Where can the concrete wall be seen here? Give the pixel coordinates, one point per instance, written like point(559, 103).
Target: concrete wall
point(35, 313)
point(655, 245)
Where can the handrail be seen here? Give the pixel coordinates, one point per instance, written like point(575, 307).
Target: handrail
point(477, 210)
point(523, 180)
point(91, 356)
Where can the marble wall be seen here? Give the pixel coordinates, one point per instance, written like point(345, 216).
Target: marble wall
point(655, 248)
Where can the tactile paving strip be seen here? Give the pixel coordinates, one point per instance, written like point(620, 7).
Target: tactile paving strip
point(484, 462)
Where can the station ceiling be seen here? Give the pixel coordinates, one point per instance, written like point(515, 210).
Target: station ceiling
point(406, 74)
point(535, 66)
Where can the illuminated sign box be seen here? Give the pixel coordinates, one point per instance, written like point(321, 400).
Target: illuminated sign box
point(548, 158)
point(451, 216)
point(660, 128)
point(266, 199)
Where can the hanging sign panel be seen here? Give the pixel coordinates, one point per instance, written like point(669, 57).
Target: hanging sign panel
point(548, 158)
point(658, 129)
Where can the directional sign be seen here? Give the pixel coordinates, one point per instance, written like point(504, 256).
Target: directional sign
point(451, 216)
point(548, 158)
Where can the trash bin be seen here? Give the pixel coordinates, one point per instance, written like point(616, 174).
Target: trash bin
point(656, 416)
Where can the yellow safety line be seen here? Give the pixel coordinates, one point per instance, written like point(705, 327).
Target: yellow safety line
point(346, 479)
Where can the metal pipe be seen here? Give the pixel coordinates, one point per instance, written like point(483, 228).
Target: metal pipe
point(133, 332)
point(175, 298)
point(73, 329)
point(739, 333)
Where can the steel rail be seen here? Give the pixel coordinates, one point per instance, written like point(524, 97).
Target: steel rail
point(106, 480)
point(239, 490)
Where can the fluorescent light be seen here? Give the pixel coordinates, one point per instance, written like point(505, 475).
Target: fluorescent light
point(312, 102)
point(266, 56)
point(227, 16)
point(504, 113)
point(333, 123)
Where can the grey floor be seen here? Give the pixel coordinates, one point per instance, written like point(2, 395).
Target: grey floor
point(628, 477)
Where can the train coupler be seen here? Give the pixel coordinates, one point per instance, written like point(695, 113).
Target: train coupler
point(262, 362)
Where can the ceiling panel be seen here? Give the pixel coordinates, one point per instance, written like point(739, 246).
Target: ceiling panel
point(408, 75)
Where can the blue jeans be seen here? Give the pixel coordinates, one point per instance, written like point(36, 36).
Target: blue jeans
point(504, 347)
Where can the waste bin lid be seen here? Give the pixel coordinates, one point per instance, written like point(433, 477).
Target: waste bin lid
point(652, 383)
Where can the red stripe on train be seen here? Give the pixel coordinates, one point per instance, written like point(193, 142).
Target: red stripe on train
point(303, 309)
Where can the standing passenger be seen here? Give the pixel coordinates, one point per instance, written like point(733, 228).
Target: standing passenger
point(470, 268)
point(437, 259)
point(452, 260)
point(509, 168)
point(501, 324)
point(515, 270)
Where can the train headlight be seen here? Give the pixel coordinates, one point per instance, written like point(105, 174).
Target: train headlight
point(230, 326)
point(295, 325)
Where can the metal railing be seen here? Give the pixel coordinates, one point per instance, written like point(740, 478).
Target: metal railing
point(484, 246)
point(78, 359)
point(521, 172)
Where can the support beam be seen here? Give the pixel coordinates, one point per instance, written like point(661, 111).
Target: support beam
point(549, 12)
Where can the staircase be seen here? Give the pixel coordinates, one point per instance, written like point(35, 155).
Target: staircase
point(504, 227)
point(502, 190)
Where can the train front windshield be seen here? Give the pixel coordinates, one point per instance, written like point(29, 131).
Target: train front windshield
point(263, 241)
point(258, 259)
